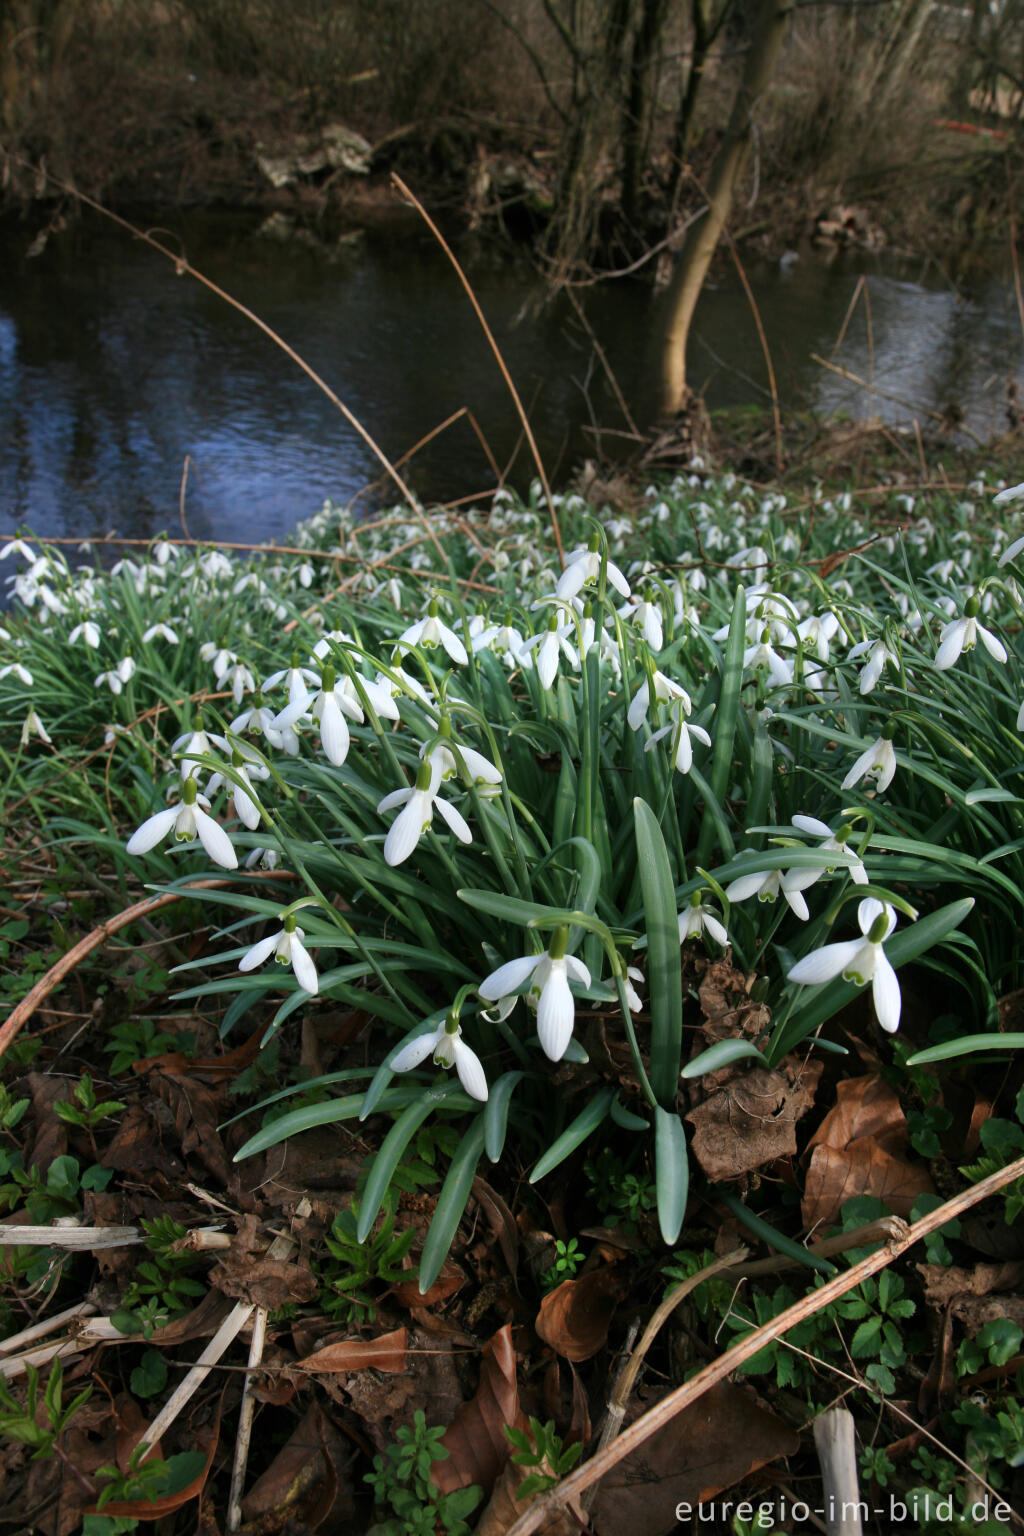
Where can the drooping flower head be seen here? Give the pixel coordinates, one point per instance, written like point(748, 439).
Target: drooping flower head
point(549, 975)
point(860, 961)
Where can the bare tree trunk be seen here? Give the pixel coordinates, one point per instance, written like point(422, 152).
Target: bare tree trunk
point(699, 246)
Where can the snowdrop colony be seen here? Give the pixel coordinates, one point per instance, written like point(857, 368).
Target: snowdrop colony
point(508, 795)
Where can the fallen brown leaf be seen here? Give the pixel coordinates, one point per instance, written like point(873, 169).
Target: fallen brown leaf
point(312, 1469)
point(504, 1509)
point(476, 1440)
point(575, 1317)
point(863, 1168)
point(865, 1106)
point(196, 1111)
point(751, 1119)
point(451, 1279)
point(943, 1283)
point(386, 1353)
point(708, 1447)
point(155, 1509)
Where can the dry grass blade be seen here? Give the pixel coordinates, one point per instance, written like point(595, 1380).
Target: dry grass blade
point(641, 1429)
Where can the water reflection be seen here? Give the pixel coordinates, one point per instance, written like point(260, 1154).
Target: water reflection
point(114, 371)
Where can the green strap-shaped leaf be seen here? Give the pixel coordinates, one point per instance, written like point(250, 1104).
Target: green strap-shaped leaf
point(721, 1054)
point(450, 1204)
point(664, 969)
point(310, 1115)
point(584, 1125)
point(726, 714)
point(966, 1046)
point(392, 1147)
point(671, 1172)
point(495, 1113)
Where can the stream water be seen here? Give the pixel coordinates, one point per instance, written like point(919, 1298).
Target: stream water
point(115, 372)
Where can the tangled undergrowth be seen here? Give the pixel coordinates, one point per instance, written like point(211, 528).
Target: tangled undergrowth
point(523, 939)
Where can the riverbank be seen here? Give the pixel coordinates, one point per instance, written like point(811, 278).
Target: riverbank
point(185, 106)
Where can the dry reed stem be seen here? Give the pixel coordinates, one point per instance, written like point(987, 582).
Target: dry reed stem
point(649, 1423)
point(414, 201)
point(99, 936)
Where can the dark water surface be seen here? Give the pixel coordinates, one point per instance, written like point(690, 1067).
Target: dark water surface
point(114, 371)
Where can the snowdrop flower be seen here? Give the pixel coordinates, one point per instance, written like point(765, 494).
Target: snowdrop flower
point(860, 961)
point(665, 690)
point(764, 655)
point(583, 566)
point(219, 657)
point(681, 732)
point(258, 720)
point(878, 762)
point(187, 820)
point(834, 842)
point(239, 678)
point(17, 547)
point(549, 975)
point(330, 706)
point(164, 631)
point(116, 678)
point(1012, 550)
point(879, 656)
point(298, 678)
point(645, 616)
point(962, 634)
point(817, 631)
point(696, 919)
point(431, 630)
point(551, 644)
point(246, 808)
point(766, 885)
point(197, 743)
point(418, 810)
point(1009, 493)
point(87, 631)
point(287, 948)
point(448, 1049)
point(506, 642)
point(34, 727)
point(633, 997)
point(266, 858)
point(445, 761)
point(325, 644)
point(23, 674)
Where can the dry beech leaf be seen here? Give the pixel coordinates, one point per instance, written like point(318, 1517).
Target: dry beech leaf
point(943, 1284)
point(575, 1317)
point(501, 1220)
point(154, 1509)
point(386, 1353)
point(865, 1106)
point(311, 1469)
point(478, 1449)
point(451, 1279)
point(863, 1168)
point(708, 1447)
point(196, 1111)
point(504, 1509)
point(751, 1119)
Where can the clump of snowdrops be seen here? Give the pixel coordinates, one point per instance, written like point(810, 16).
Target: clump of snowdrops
point(512, 793)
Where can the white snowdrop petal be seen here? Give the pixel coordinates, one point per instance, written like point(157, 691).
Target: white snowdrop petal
point(508, 978)
point(577, 970)
point(305, 970)
point(471, 1072)
point(824, 964)
point(334, 732)
point(555, 1014)
point(406, 830)
point(152, 831)
point(951, 644)
point(215, 840)
point(259, 953)
point(455, 819)
point(415, 1052)
point(885, 990)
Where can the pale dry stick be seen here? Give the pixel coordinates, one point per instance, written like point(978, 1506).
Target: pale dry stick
point(99, 936)
point(16, 1341)
point(886, 1229)
point(181, 496)
point(228, 1331)
point(664, 1411)
point(524, 419)
point(245, 1420)
point(72, 1238)
point(13, 1366)
point(837, 1454)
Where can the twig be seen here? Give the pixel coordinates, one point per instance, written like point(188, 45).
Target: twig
point(70, 1237)
point(245, 1418)
point(16, 1341)
point(464, 280)
point(649, 1423)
